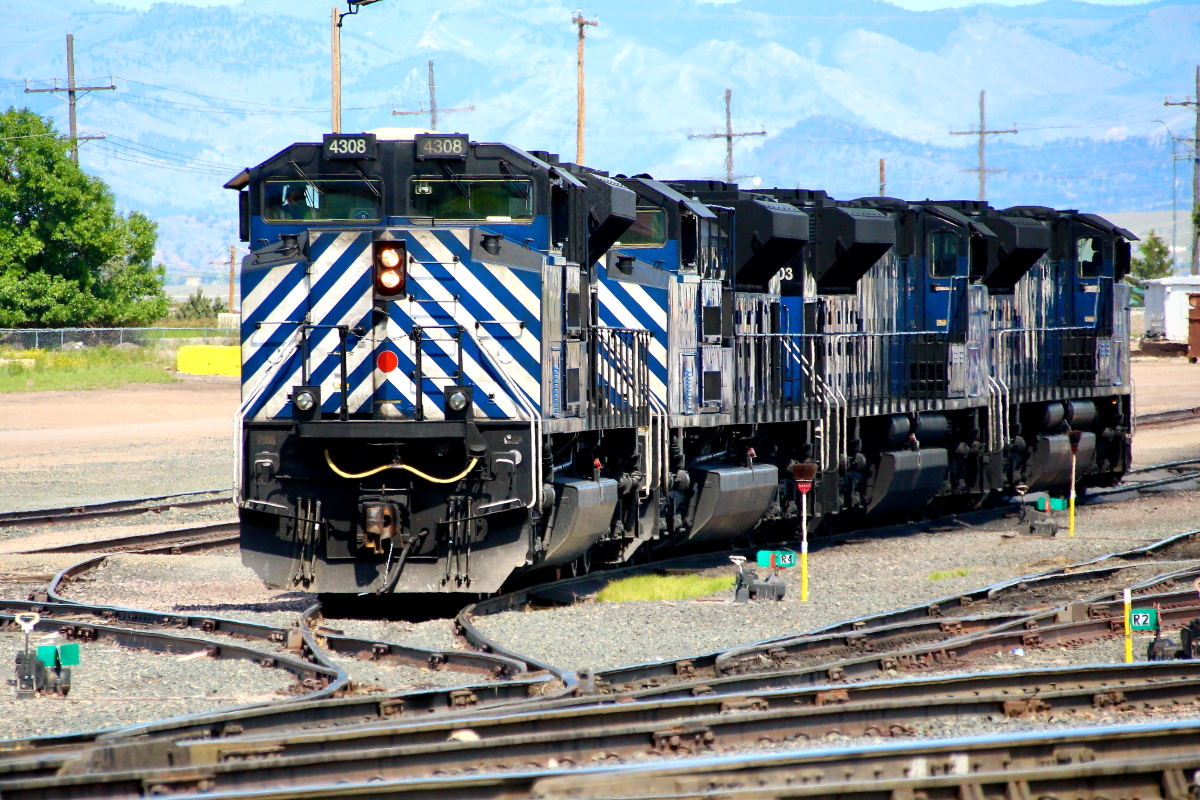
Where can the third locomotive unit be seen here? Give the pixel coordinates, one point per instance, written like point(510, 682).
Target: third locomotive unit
point(463, 361)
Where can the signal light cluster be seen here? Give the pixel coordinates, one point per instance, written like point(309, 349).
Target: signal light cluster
point(391, 268)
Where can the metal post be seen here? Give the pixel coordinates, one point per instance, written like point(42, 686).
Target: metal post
point(1128, 628)
point(804, 547)
point(420, 380)
point(336, 50)
point(1075, 437)
point(344, 387)
point(882, 178)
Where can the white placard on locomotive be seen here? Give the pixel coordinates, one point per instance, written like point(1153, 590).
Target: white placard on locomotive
point(355, 145)
point(438, 145)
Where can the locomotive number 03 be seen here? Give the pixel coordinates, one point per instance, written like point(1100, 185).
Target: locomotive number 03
point(438, 146)
point(357, 146)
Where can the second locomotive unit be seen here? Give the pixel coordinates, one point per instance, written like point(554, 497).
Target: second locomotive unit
point(462, 361)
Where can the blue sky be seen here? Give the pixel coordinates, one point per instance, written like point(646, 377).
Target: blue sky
point(593, 7)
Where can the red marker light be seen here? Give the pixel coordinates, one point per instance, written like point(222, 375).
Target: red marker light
point(387, 361)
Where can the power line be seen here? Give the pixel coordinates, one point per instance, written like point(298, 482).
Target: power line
point(72, 90)
point(1195, 174)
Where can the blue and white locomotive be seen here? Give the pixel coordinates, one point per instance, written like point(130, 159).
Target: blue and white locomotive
point(463, 361)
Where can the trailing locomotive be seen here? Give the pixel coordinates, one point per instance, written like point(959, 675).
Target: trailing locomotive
point(462, 361)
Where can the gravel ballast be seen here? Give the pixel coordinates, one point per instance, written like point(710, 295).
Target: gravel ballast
point(114, 686)
point(852, 579)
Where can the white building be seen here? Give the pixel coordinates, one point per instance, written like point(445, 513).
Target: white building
point(1167, 305)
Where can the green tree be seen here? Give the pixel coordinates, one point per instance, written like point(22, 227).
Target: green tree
point(1152, 261)
point(67, 258)
point(197, 306)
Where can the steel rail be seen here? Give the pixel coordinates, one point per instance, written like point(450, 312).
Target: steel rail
point(1091, 762)
point(675, 727)
point(188, 539)
point(365, 740)
point(113, 508)
point(1160, 418)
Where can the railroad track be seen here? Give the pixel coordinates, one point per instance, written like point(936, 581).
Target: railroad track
point(117, 508)
point(536, 719)
point(192, 539)
point(1163, 418)
point(574, 727)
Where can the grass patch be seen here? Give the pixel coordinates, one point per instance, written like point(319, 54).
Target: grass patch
point(87, 368)
point(941, 575)
point(663, 587)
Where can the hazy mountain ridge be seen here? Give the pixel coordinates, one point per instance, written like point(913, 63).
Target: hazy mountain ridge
point(837, 86)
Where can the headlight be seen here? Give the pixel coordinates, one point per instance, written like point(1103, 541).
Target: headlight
point(304, 401)
point(390, 268)
point(389, 258)
point(457, 401)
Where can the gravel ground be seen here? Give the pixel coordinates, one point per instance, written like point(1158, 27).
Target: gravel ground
point(197, 584)
point(373, 676)
point(848, 580)
point(113, 687)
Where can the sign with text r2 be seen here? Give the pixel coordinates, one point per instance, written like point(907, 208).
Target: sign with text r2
point(1143, 619)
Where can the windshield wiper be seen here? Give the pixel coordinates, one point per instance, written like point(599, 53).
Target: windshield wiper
point(371, 186)
point(307, 179)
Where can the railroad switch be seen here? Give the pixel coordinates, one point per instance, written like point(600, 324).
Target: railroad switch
point(47, 670)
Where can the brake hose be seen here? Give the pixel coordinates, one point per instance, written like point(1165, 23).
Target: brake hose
point(413, 470)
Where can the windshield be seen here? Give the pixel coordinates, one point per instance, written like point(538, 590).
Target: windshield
point(650, 230)
point(486, 199)
point(321, 199)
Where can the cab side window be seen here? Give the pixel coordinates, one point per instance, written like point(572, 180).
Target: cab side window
point(943, 254)
point(1089, 251)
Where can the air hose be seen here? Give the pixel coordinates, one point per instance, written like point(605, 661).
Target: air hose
point(393, 576)
point(413, 470)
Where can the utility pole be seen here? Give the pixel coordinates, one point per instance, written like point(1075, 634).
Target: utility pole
point(982, 133)
point(882, 178)
point(1195, 175)
point(232, 262)
point(73, 93)
point(728, 136)
point(433, 109)
point(580, 105)
point(336, 50)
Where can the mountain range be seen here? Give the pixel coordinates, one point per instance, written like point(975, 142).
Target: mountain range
point(835, 86)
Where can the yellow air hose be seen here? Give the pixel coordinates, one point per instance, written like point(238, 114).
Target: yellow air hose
point(385, 467)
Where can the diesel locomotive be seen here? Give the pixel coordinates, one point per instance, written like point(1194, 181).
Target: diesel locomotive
point(463, 361)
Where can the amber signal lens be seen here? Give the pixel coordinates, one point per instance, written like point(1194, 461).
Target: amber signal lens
point(390, 268)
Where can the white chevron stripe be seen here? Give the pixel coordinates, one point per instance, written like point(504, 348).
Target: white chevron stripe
point(293, 307)
point(345, 283)
point(627, 320)
point(265, 286)
point(478, 292)
point(520, 291)
point(442, 296)
point(654, 310)
point(473, 370)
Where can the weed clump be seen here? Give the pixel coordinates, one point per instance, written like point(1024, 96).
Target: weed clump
point(663, 587)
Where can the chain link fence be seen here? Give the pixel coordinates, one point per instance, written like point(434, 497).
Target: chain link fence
point(76, 338)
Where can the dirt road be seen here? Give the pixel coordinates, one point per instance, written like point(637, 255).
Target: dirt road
point(61, 448)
